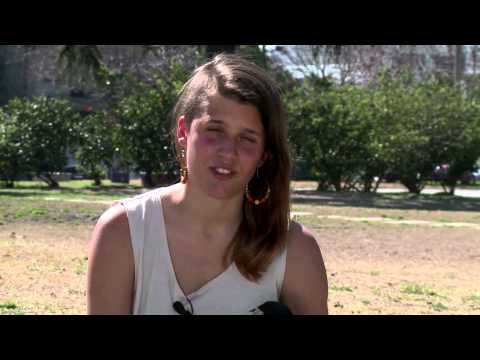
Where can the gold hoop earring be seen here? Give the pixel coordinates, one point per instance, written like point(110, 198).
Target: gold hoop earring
point(183, 167)
point(257, 202)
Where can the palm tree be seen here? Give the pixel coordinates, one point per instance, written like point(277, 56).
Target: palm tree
point(212, 50)
point(79, 63)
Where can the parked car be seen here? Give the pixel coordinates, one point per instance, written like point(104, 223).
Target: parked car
point(440, 172)
point(467, 178)
point(476, 175)
point(75, 174)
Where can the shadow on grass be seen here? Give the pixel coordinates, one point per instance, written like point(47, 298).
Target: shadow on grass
point(41, 192)
point(403, 201)
point(387, 201)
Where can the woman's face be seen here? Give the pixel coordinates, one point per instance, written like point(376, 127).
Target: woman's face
point(224, 146)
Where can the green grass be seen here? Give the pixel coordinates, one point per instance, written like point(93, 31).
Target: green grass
point(341, 288)
point(338, 304)
point(75, 292)
point(30, 212)
point(69, 190)
point(387, 217)
point(439, 306)
point(76, 201)
point(396, 299)
point(10, 308)
point(35, 307)
point(27, 203)
point(426, 198)
point(47, 309)
point(38, 210)
point(472, 298)
point(8, 305)
point(473, 301)
point(80, 265)
point(417, 289)
point(474, 185)
point(75, 184)
point(33, 267)
point(376, 290)
point(61, 194)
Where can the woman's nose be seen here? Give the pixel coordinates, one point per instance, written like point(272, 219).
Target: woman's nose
point(228, 147)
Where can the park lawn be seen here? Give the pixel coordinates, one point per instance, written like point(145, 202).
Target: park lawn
point(43, 268)
point(373, 267)
point(79, 185)
point(77, 201)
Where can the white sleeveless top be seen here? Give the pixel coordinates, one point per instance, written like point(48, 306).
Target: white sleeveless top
point(156, 286)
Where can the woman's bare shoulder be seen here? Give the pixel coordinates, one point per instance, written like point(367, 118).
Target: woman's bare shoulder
point(110, 264)
point(114, 217)
point(112, 227)
point(300, 239)
point(305, 289)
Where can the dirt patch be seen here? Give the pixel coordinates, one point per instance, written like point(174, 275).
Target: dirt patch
point(43, 267)
point(392, 221)
point(371, 268)
point(394, 265)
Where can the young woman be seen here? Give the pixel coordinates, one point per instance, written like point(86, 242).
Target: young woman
point(221, 240)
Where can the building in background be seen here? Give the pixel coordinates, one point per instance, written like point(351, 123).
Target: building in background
point(38, 70)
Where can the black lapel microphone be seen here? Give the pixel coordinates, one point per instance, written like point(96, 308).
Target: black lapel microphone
point(267, 308)
point(180, 309)
point(274, 308)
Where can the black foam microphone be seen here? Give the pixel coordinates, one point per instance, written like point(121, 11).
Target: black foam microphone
point(274, 308)
point(180, 309)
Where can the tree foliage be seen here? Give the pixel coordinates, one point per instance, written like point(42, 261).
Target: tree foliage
point(335, 147)
point(38, 134)
point(96, 144)
point(144, 125)
point(13, 158)
point(357, 135)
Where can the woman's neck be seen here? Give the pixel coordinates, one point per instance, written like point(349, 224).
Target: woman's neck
point(206, 214)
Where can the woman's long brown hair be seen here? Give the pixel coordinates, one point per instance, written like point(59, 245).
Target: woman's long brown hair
point(262, 232)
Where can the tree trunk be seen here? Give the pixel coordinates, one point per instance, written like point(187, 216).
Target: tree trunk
point(459, 63)
point(51, 182)
point(377, 184)
point(147, 180)
point(474, 59)
point(323, 185)
point(264, 56)
point(368, 184)
point(338, 185)
point(449, 185)
point(212, 50)
point(9, 184)
point(413, 186)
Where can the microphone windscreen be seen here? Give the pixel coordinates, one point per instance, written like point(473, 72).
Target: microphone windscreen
point(179, 308)
point(274, 308)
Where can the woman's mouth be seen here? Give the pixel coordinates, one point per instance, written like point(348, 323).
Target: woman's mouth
point(222, 173)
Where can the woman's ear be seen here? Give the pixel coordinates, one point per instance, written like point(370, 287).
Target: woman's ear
point(182, 131)
point(266, 156)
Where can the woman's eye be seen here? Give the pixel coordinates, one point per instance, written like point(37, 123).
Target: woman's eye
point(249, 140)
point(214, 130)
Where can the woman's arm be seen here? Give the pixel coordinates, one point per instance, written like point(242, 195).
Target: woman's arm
point(305, 286)
point(111, 269)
